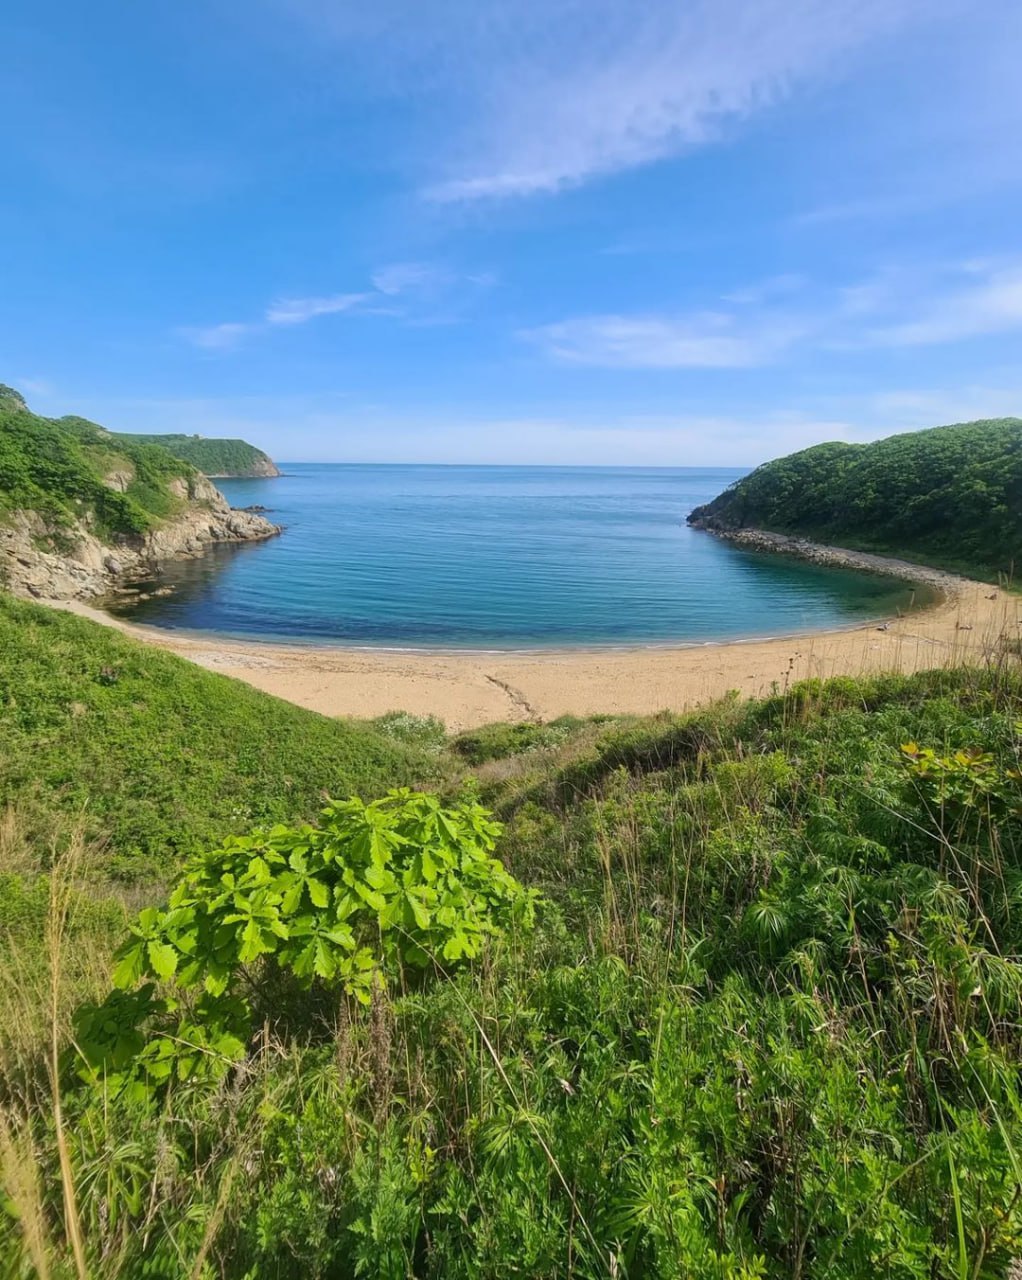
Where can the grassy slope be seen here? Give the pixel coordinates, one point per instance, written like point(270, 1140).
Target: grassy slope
point(57, 466)
point(950, 496)
point(768, 1026)
point(161, 756)
point(214, 457)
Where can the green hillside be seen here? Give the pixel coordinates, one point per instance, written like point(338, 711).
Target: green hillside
point(951, 496)
point(766, 1023)
point(157, 756)
point(57, 466)
point(213, 457)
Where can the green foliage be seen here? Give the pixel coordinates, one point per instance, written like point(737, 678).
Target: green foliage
point(767, 1024)
point(376, 889)
point(427, 733)
point(214, 457)
point(158, 757)
point(10, 398)
point(498, 741)
point(57, 467)
point(950, 495)
point(966, 779)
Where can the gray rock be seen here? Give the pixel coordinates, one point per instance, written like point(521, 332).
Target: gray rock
point(94, 568)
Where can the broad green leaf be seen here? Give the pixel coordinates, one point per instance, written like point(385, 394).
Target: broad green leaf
point(324, 963)
point(318, 893)
point(162, 958)
point(130, 966)
point(370, 897)
point(422, 916)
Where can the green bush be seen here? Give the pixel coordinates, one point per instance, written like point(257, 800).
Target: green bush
point(767, 1025)
point(215, 457)
point(377, 890)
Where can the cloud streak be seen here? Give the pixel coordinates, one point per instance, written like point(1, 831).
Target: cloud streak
point(301, 310)
point(709, 340)
point(216, 337)
point(388, 283)
point(762, 324)
point(398, 277)
point(642, 83)
point(990, 305)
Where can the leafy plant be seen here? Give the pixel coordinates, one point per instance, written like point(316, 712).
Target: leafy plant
point(965, 779)
point(377, 889)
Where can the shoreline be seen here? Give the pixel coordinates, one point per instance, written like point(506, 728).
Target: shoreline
point(946, 584)
point(965, 624)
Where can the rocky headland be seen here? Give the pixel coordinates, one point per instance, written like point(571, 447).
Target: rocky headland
point(47, 560)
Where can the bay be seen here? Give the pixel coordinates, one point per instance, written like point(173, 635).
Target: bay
point(446, 557)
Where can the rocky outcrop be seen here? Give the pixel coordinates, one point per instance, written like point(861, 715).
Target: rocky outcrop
point(63, 562)
point(947, 585)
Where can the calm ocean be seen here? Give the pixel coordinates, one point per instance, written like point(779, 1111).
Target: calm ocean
point(500, 558)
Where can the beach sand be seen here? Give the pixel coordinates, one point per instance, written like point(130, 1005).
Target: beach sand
point(469, 689)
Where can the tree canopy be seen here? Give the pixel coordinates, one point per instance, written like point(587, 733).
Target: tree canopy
point(951, 495)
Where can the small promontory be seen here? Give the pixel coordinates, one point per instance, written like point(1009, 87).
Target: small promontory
point(948, 496)
point(216, 458)
point(83, 509)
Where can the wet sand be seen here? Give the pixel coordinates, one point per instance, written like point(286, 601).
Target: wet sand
point(468, 689)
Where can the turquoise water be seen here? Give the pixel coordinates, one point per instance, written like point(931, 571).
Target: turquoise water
point(500, 558)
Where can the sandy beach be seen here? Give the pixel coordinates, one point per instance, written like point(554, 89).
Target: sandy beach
point(468, 689)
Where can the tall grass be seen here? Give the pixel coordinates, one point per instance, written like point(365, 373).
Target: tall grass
point(768, 1026)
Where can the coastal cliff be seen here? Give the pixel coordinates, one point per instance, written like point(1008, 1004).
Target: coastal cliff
point(47, 561)
point(83, 510)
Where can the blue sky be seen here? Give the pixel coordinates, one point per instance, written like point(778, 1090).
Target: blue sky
point(593, 231)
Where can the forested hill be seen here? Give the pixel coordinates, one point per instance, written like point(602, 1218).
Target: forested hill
point(218, 459)
point(68, 468)
point(949, 495)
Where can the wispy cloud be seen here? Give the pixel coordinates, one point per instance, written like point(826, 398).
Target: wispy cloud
point(764, 323)
point(767, 290)
point(336, 426)
point(989, 303)
point(708, 340)
point(398, 277)
point(216, 337)
point(388, 282)
point(301, 310)
point(642, 82)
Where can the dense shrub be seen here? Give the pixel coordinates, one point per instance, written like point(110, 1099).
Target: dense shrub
point(57, 467)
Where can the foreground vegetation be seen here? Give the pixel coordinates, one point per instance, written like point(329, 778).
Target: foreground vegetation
point(765, 1021)
point(951, 496)
point(152, 757)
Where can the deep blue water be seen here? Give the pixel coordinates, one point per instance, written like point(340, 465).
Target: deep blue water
point(500, 557)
